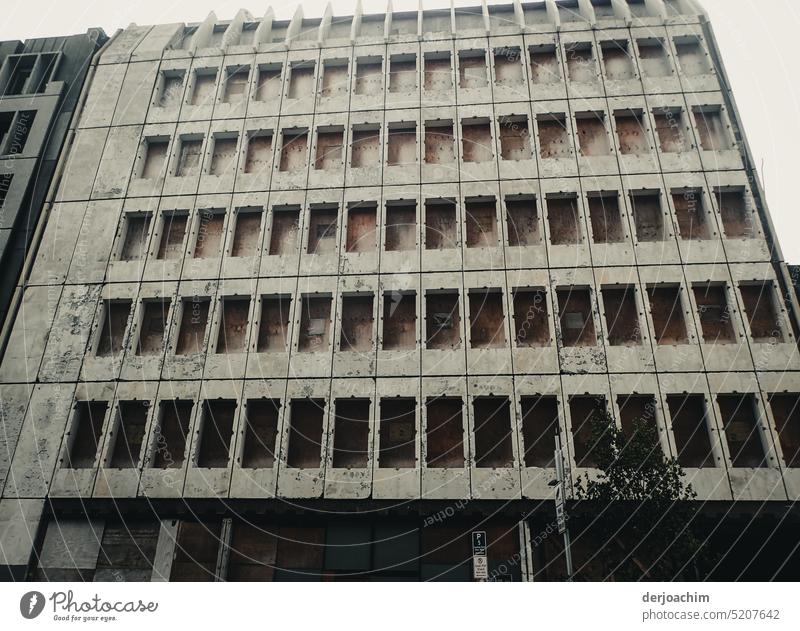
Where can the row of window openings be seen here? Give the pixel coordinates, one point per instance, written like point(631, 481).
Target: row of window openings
point(27, 73)
point(444, 432)
point(607, 222)
point(439, 142)
point(443, 331)
point(473, 72)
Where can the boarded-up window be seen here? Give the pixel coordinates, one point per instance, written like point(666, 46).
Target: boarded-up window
point(315, 322)
point(575, 316)
point(563, 220)
point(438, 73)
point(690, 428)
point(366, 147)
point(153, 326)
point(759, 305)
point(693, 57)
point(493, 432)
point(539, 429)
point(586, 412)
point(399, 320)
point(335, 77)
point(236, 84)
point(196, 551)
point(604, 214)
point(210, 232)
point(357, 323)
point(441, 225)
point(622, 316)
point(112, 331)
point(401, 226)
point(128, 433)
point(444, 432)
point(786, 411)
point(351, 433)
point(442, 320)
point(522, 220)
point(481, 222)
point(653, 58)
point(369, 76)
point(741, 430)
point(273, 332)
point(531, 324)
point(362, 228)
point(285, 230)
point(553, 136)
point(294, 150)
point(712, 129)
point(402, 73)
point(669, 127)
point(205, 86)
point(194, 317)
point(305, 433)
point(690, 214)
point(715, 314)
point(134, 245)
point(223, 156)
point(259, 152)
point(246, 232)
point(171, 88)
point(261, 417)
point(592, 135)
point(667, 311)
point(544, 65)
point(580, 63)
point(617, 61)
point(439, 142)
point(648, 216)
point(301, 80)
point(737, 219)
point(398, 433)
point(401, 144)
point(84, 435)
point(189, 156)
point(216, 431)
point(487, 319)
point(477, 140)
point(155, 155)
point(329, 149)
point(507, 66)
point(269, 85)
point(173, 230)
point(515, 142)
point(631, 133)
point(169, 446)
point(322, 230)
point(472, 69)
point(232, 335)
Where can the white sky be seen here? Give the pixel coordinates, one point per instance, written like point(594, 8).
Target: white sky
point(758, 39)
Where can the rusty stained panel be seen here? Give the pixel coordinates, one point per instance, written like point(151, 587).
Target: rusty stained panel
point(322, 230)
point(617, 61)
point(667, 311)
point(273, 332)
point(223, 156)
point(442, 320)
point(174, 419)
point(189, 157)
point(366, 147)
point(216, 433)
point(194, 317)
point(539, 429)
point(402, 73)
point(115, 322)
point(544, 65)
point(153, 326)
point(247, 232)
point(472, 69)
point(357, 323)
point(439, 143)
point(210, 232)
point(553, 136)
point(137, 229)
point(592, 134)
point(402, 145)
point(441, 225)
point(329, 150)
point(691, 215)
point(205, 86)
point(487, 319)
point(294, 150)
point(399, 320)
point(531, 323)
point(715, 313)
point(269, 83)
point(737, 219)
point(369, 77)
point(84, 434)
point(351, 433)
point(585, 412)
point(576, 317)
point(438, 72)
point(155, 155)
point(669, 127)
point(622, 316)
point(712, 131)
point(522, 219)
point(232, 335)
point(477, 140)
point(129, 433)
point(581, 64)
point(690, 429)
point(301, 80)
point(401, 227)
point(648, 217)
point(315, 324)
point(606, 218)
point(335, 78)
point(493, 432)
point(786, 412)
point(515, 141)
point(631, 133)
point(444, 432)
point(173, 232)
point(693, 58)
point(481, 223)
point(285, 231)
point(563, 220)
point(305, 433)
point(236, 84)
point(259, 153)
point(653, 58)
point(742, 434)
point(261, 418)
point(759, 306)
point(398, 434)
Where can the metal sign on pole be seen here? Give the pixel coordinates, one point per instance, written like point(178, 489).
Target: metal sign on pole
point(480, 562)
point(561, 509)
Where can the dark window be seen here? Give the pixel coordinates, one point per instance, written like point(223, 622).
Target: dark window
point(84, 436)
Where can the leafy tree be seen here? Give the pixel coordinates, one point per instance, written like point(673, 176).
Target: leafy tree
point(640, 517)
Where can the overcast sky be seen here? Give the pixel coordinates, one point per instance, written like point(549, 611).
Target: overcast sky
point(758, 39)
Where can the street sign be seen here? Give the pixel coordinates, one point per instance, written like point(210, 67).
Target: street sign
point(479, 542)
point(480, 562)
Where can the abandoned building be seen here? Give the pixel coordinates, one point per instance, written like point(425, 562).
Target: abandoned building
point(314, 297)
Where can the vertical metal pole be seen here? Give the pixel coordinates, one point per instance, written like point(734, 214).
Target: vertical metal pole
point(561, 481)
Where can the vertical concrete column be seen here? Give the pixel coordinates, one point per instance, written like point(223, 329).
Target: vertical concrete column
point(19, 525)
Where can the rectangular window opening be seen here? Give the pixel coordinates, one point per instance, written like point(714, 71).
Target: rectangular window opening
point(444, 433)
point(85, 434)
point(369, 76)
point(522, 220)
point(514, 138)
point(273, 332)
point(269, 83)
point(115, 323)
point(398, 434)
point(223, 156)
point(194, 317)
point(351, 434)
point(691, 215)
point(205, 86)
point(155, 155)
point(715, 314)
point(622, 316)
point(580, 63)
point(592, 134)
point(357, 323)
point(261, 416)
point(762, 315)
point(712, 129)
point(335, 77)
point(137, 230)
point(741, 430)
point(294, 150)
point(322, 230)
point(305, 433)
point(438, 72)
point(401, 226)
point(472, 69)
point(631, 133)
point(575, 316)
point(669, 127)
point(362, 224)
point(315, 324)
point(439, 142)
point(734, 209)
point(654, 59)
point(210, 232)
point(442, 320)
point(216, 433)
point(399, 320)
point(481, 222)
point(553, 136)
point(604, 213)
point(129, 431)
point(402, 73)
point(285, 230)
point(617, 61)
point(173, 231)
point(366, 147)
point(301, 80)
point(402, 144)
point(259, 152)
point(648, 216)
point(786, 412)
point(585, 413)
point(691, 431)
point(487, 319)
point(236, 84)
point(441, 225)
point(172, 432)
point(544, 65)
point(666, 309)
point(247, 232)
point(507, 66)
point(477, 140)
point(539, 430)
point(329, 149)
point(531, 321)
point(563, 220)
point(493, 432)
point(189, 157)
point(232, 336)
point(153, 326)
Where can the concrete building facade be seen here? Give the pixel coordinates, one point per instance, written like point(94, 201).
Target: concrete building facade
point(316, 296)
